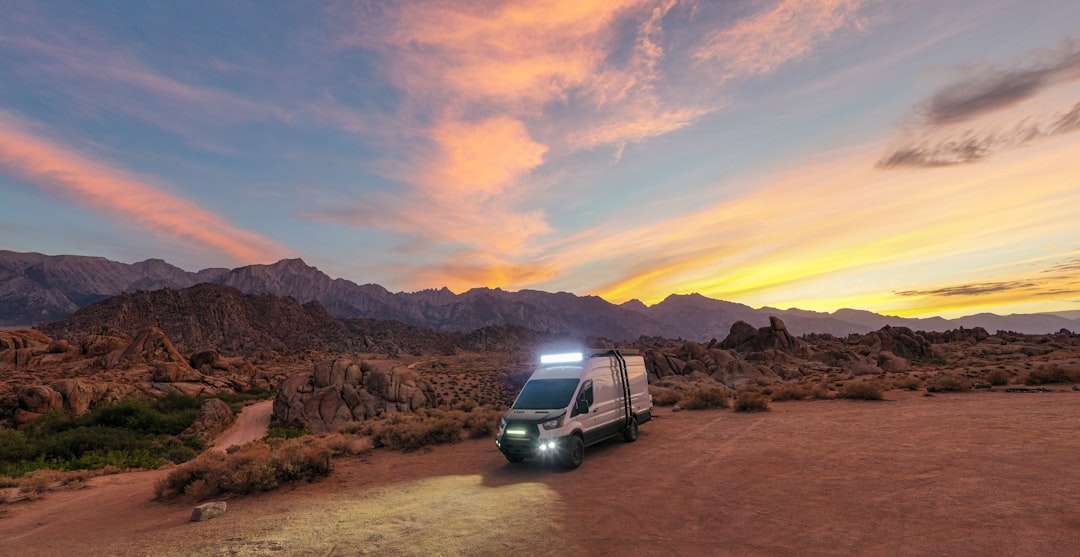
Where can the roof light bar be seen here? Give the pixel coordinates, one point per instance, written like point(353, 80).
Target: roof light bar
point(561, 358)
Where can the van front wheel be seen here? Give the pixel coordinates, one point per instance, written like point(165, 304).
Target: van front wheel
point(514, 459)
point(630, 433)
point(575, 452)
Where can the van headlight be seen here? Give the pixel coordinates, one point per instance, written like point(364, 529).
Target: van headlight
point(553, 424)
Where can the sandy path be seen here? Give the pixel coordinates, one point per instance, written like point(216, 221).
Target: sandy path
point(250, 425)
point(958, 474)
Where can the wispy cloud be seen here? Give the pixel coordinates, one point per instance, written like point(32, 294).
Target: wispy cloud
point(791, 29)
point(98, 187)
point(971, 289)
point(993, 89)
point(948, 127)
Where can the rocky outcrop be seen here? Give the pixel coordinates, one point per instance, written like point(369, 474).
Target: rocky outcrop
point(214, 417)
point(744, 338)
point(74, 396)
point(149, 346)
point(900, 341)
point(695, 360)
point(340, 391)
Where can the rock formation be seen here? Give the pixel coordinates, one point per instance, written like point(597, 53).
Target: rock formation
point(341, 391)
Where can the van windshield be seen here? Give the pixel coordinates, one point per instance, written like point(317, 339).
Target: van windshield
point(546, 394)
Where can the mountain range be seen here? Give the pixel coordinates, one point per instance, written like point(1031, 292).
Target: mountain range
point(36, 288)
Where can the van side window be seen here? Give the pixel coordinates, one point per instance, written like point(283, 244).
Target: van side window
point(587, 393)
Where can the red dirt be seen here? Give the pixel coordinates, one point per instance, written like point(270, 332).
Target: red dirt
point(250, 425)
point(954, 474)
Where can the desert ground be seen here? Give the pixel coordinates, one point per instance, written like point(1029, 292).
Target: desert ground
point(977, 473)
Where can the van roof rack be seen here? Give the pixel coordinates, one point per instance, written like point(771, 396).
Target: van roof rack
point(594, 352)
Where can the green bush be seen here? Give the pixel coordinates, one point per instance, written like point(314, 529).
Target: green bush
point(704, 398)
point(751, 400)
point(287, 430)
point(862, 390)
point(132, 433)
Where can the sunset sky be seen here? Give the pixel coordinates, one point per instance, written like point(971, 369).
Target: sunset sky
point(910, 158)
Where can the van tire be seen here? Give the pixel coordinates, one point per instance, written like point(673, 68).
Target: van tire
point(575, 452)
point(514, 459)
point(630, 433)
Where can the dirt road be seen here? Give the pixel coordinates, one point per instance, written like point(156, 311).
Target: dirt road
point(956, 474)
point(250, 425)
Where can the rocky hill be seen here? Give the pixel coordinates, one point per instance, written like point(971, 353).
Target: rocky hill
point(35, 288)
point(212, 316)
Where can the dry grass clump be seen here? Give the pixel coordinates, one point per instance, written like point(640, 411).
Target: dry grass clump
point(946, 383)
point(432, 426)
point(751, 400)
point(34, 484)
point(862, 390)
point(997, 377)
point(704, 398)
point(790, 391)
point(256, 466)
point(1050, 374)
point(907, 382)
point(662, 396)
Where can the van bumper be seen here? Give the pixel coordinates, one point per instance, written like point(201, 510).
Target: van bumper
point(530, 447)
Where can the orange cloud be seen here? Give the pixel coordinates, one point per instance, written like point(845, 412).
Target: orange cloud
point(793, 28)
point(481, 160)
point(96, 186)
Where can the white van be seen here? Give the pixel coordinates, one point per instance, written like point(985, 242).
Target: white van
point(575, 400)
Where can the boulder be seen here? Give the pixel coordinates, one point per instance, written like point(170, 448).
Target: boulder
point(204, 358)
point(174, 372)
point(78, 396)
point(151, 345)
point(40, 399)
point(206, 511)
point(892, 363)
point(213, 418)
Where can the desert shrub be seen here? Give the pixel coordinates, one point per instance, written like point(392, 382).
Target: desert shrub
point(862, 390)
point(705, 398)
point(751, 400)
point(1050, 374)
point(411, 432)
point(483, 421)
point(998, 377)
point(932, 362)
point(236, 401)
point(790, 391)
point(257, 466)
point(287, 430)
point(665, 397)
point(946, 383)
point(908, 382)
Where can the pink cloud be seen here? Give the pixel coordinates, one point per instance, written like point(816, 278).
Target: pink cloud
point(96, 186)
point(791, 29)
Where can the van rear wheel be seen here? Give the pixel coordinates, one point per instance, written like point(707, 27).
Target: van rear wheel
point(630, 433)
point(575, 452)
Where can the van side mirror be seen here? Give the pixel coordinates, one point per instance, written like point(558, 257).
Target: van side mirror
point(582, 406)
